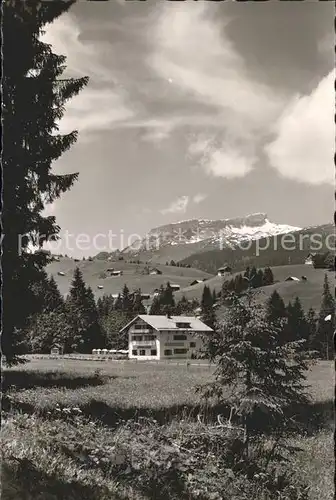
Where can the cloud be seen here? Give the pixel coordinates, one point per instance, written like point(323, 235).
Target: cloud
point(198, 198)
point(305, 137)
point(177, 206)
point(193, 50)
point(104, 102)
point(222, 158)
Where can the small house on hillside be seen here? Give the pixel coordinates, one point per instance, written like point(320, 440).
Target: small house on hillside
point(116, 273)
point(164, 337)
point(309, 259)
point(61, 273)
point(196, 282)
point(223, 271)
point(155, 271)
point(174, 287)
point(292, 278)
point(100, 287)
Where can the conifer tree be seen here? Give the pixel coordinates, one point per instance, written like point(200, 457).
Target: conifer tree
point(259, 279)
point(296, 327)
point(326, 328)
point(137, 306)
point(184, 307)
point(127, 301)
point(312, 327)
point(254, 374)
point(156, 307)
point(167, 301)
point(275, 308)
point(53, 298)
point(86, 333)
point(214, 296)
point(118, 304)
point(34, 98)
point(207, 310)
point(239, 284)
point(268, 278)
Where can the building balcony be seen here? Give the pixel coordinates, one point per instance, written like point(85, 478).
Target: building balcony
point(142, 343)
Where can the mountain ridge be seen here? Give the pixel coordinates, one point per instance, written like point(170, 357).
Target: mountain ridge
point(208, 233)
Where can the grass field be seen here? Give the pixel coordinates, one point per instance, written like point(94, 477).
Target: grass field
point(132, 275)
point(71, 419)
point(309, 292)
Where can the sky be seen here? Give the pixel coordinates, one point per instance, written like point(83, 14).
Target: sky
point(195, 110)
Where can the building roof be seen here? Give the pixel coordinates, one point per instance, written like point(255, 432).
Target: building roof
point(223, 268)
point(292, 278)
point(164, 323)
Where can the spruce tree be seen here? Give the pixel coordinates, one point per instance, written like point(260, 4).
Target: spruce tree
point(127, 301)
point(34, 98)
point(254, 374)
point(137, 306)
point(253, 277)
point(268, 278)
point(296, 327)
point(53, 298)
point(325, 329)
point(312, 327)
point(118, 304)
point(275, 308)
point(184, 307)
point(86, 333)
point(156, 307)
point(167, 300)
point(207, 311)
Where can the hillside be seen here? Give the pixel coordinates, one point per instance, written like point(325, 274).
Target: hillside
point(278, 250)
point(180, 240)
point(92, 271)
point(309, 291)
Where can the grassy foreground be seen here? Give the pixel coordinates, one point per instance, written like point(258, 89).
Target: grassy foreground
point(81, 429)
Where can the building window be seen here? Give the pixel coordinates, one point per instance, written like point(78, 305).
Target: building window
point(167, 352)
point(149, 337)
point(180, 351)
point(153, 352)
point(192, 344)
point(134, 352)
point(183, 325)
point(136, 337)
point(142, 352)
point(180, 337)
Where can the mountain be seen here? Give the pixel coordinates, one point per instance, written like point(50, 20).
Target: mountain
point(277, 250)
point(182, 239)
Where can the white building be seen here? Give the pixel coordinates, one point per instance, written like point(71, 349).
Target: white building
point(161, 337)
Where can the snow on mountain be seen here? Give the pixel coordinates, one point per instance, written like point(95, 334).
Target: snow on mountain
point(209, 233)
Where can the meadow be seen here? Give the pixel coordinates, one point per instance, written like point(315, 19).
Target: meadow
point(79, 427)
point(309, 291)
